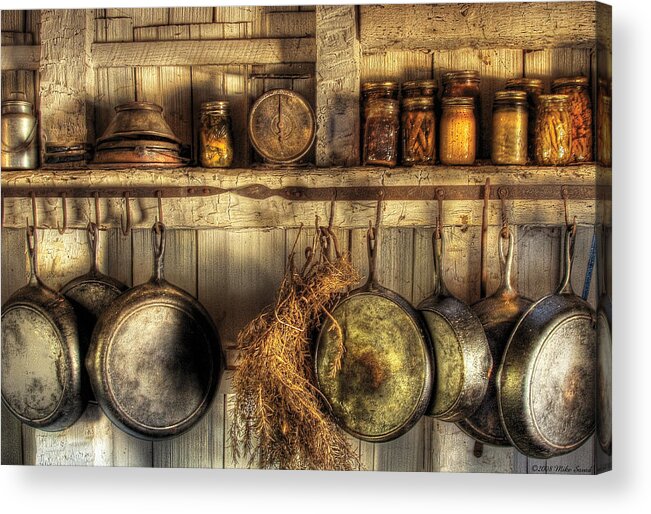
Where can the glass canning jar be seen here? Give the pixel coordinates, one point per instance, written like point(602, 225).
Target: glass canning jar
point(215, 135)
point(381, 130)
point(428, 87)
point(578, 91)
point(510, 124)
point(553, 130)
point(458, 131)
point(465, 83)
point(534, 88)
point(418, 130)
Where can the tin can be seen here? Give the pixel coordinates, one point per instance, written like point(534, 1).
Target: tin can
point(19, 134)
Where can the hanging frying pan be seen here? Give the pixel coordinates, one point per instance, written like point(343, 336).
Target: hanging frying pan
point(41, 362)
point(546, 381)
point(91, 294)
point(498, 314)
point(604, 354)
point(384, 383)
point(462, 356)
point(155, 358)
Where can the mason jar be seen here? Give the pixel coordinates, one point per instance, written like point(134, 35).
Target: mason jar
point(215, 135)
point(465, 83)
point(578, 91)
point(510, 124)
point(553, 131)
point(534, 88)
point(458, 131)
point(418, 130)
point(427, 87)
point(381, 130)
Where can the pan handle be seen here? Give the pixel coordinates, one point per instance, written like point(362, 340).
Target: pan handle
point(32, 250)
point(158, 241)
point(506, 261)
point(92, 231)
point(437, 247)
point(565, 287)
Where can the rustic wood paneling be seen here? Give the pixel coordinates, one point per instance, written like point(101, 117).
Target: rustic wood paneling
point(486, 25)
point(338, 76)
point(552, 63)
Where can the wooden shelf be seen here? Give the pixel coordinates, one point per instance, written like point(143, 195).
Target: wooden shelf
point(258, 197)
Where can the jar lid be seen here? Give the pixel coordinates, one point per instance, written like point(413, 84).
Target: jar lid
point(460, 101)
point(559, 99)
point(451, 76)
point(418, 102)
point(417, 84)
point(374, 86)
point(511, 96)
point(216, 104)
point(138, 106)
point(570, 81)
point(524, 83)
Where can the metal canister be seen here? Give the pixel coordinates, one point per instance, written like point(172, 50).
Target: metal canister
point(19, 134)
point(215, 135)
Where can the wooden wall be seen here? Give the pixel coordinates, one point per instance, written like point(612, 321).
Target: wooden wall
point(234, 271)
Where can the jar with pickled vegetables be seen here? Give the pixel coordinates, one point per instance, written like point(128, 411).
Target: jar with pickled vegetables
point(553, 130)
point(534, 88)
point(381, 131)
point(510, 123)
point(578, 91)
point(458, 131)
point(418, 130)
point(215, 135)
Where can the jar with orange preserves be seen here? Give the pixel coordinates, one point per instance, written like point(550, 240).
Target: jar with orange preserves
point(553, 130)
point(578, 91)
point(458, 131)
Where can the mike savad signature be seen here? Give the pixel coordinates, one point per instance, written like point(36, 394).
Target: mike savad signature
point(560, 468)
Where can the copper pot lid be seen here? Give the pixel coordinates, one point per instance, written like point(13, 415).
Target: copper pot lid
point(138, 119)
point(282, 126)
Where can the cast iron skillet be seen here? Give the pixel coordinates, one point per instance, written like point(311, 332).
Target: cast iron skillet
point(155, 358)
point(463, 359)
point(90, 295)
point(385, 381)
point(546, 381)
point(498, 315)
point(41, 361)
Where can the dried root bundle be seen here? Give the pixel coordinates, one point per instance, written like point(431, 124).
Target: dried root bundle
point(280, 418)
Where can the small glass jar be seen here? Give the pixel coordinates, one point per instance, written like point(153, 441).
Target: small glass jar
point(604, 130)
point(553, 130)
point(534, 88)
point(419, 88)
point(578, 90)
point(381, 129)
point(510, 124)
point(465, 83)
point(215, 135)
point(458, 131)
point(418, 130)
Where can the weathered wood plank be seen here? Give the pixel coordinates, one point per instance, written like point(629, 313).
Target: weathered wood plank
point(397, 66)
point(485, 25)
point(552, 63)
point(66, 78)
point(20, 57)
point(293, 24)
point(185, 15)
point(231, 210)
point(149, 17)
point(338, 78)
point(197, 53)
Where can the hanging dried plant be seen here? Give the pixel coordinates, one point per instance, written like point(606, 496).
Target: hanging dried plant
point(280, 419)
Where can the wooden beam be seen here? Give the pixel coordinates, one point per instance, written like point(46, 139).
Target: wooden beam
point(338, 76)
point(201, 53)
point(66, 76)
point(487, 25)
point(20, 57)
point(230, 210)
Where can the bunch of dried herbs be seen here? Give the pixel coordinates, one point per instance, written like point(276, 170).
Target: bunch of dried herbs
point(280, 419)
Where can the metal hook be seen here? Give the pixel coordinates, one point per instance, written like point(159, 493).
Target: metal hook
point(503, 194)
point(440, 195)
point(64, 200)
point(34, 217)
point(159, 195)
point(97, 215)
point(332, 210)
point(126, 230)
